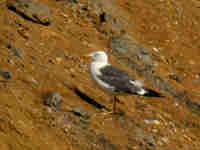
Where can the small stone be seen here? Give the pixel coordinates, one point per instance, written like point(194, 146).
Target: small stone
point(163, 58)
point(156, 122)
point(66, 130)
point(58, 60)
point(176, 104)
point(175, 77)
point(65, 15)
point(152, 121)
point(80, 112)
point(165, 139)
point(155, 130)
point(5, 75)
point(16, 51)
point(53, 100)
point(10, 61)
point(155, 64)
point(155, 49)
point(197, 76)
point(85, 42)
point(29, 79)
point(72, 70)
point(23, 32)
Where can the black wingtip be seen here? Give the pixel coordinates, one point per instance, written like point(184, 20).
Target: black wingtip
point(152, 93)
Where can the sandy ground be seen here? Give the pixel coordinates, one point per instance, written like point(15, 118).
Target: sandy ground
point(46, 58)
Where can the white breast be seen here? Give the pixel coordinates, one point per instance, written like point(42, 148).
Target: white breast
point(95, 71)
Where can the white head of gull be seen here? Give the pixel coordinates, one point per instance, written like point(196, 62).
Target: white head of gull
point(99, 56)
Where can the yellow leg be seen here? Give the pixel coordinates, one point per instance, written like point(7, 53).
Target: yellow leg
point(114, 104)
point(113, 98)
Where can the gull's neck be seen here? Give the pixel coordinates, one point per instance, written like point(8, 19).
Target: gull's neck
point(100, 63)
point(96, 66)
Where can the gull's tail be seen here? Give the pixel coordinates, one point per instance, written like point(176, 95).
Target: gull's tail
point(140, 90)
point(151, 93)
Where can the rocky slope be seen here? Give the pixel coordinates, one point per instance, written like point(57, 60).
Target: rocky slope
point(48, 100)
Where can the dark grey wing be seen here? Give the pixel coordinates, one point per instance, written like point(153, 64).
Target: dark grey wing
point(117, 78)
point(113, 71)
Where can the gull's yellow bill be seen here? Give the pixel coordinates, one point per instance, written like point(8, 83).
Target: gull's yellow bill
point(85, 56)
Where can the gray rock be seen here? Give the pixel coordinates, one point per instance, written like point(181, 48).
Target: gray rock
point(53, 100)
point(80, 112)
point(176, 77)
point(106, 144)
point(163, 85)
point(16, 51)
point(102, 15)
point(133, 54)
point(127, 46)
point(31, 10)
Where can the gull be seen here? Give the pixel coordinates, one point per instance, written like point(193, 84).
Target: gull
point(115, 81)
